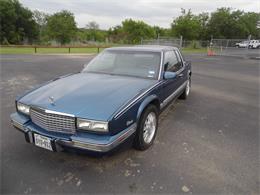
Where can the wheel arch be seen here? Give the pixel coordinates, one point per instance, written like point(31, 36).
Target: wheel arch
point(152, 99)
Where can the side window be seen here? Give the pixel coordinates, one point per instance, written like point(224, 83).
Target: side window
point(172, 62)
point(180, 64)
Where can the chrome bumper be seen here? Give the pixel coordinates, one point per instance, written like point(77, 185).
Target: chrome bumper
point(85, 143)
point(99, 147)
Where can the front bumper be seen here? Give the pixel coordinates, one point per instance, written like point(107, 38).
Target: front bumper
point(80, 140)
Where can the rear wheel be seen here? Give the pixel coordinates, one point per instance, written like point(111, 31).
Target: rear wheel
point(146, 129)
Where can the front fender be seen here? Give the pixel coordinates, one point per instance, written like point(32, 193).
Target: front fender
point(144, 104)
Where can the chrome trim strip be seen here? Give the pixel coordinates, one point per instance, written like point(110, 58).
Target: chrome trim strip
point(17, 124)
point(179, 71)
point(100, 147)
point(50, 111)
point(161, 65)
point(173, 95)
point(177, 50)
point(58, 113)
point(136, 99)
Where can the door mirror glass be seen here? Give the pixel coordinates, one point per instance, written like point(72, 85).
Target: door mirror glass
point(169, 75)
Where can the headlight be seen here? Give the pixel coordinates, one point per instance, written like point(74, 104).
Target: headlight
point(23, 108)
point(98, 126)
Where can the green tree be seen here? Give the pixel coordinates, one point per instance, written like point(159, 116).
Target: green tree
point(160, 32)
point(41, 20)
point(17, 23)
point(84, 35)
point(225, 23)
point(249, 21)
point(116, 34)
point(203, 21)
point(61, 26)
point(222, 24)
point(92, 29)
point(136, 30)
point(187, 25)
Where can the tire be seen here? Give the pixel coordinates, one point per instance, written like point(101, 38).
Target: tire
point(186, 91)
point(144, 138)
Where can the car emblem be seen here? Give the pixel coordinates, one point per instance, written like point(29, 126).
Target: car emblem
point(51, 100)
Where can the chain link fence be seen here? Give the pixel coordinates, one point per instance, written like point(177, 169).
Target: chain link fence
point(232, 47)
point(225, 47)
point(195, 44)
point(176, 42)
point(167, 41)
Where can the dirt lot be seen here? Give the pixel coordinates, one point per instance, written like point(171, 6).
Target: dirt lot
point(207, 144)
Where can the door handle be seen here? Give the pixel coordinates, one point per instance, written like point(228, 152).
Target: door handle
point(180, 75)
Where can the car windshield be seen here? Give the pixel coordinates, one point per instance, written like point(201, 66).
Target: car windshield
point(127, 63)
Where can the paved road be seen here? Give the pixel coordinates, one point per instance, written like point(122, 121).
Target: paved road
point(207, 144)
point(239, 52)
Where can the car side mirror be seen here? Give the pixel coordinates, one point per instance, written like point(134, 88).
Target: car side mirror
point(169, 75)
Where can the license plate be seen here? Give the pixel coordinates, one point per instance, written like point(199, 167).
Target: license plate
point(43, 142)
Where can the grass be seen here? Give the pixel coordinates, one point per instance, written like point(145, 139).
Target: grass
point(191, 50)
point(30, 50)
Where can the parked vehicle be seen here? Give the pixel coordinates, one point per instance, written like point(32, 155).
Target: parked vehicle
point(119, 94)
point(243, 44)
point(254, 44)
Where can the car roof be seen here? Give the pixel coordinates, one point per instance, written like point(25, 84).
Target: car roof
point(151, 48)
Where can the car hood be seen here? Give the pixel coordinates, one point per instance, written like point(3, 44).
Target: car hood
point(88, 95)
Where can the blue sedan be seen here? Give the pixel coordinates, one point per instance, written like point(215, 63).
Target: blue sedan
point(119, 94)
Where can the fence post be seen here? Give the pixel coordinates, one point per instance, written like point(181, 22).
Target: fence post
point(249, 39)
point(35, 49)
point(98, 49)
point(181, 42)
point(69, 49)
point(227, 43)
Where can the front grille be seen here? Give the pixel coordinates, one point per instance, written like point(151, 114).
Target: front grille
point(53, 122)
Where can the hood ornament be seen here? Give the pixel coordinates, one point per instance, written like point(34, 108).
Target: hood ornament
point(51, 100)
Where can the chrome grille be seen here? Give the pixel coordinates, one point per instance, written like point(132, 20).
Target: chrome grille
point(53, 122)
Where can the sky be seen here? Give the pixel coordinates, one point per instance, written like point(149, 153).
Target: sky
point(108, 13)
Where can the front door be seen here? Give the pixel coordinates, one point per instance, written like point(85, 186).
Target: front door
point(170, 86)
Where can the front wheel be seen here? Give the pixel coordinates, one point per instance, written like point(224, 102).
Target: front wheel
point(147, 128)
point(186, 91)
